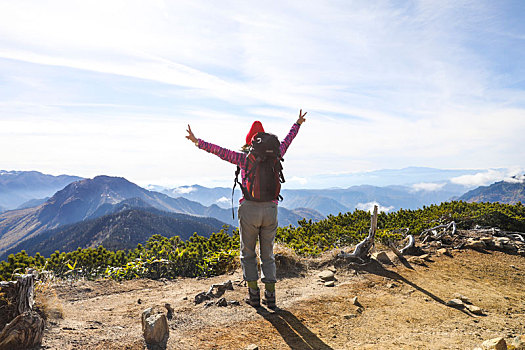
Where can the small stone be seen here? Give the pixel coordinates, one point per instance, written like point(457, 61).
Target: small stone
point(457, 303)
point(416, 260)
point(350, 316)
point(476, 310)
point(221, 302)
point(391, 285)
point(252, 347)
point(425, 257)
point(355, 301)
point(327, 275)
point(139, 301)
point(443, 251)
point(329, 284)
point(495, 344)
point(332, 268)
point(475, 244)
point(463, 298)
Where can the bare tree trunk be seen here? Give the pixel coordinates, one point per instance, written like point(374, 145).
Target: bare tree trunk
point(363, 248)
point(20, 326)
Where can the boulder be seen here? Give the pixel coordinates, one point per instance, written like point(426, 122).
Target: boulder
point(155, 327)
point(382, 257)
point(494, 344)
point(327, 275)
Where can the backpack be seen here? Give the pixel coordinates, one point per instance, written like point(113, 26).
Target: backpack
point(264, 171)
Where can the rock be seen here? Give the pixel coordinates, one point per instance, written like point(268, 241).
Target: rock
point(517, 343)
point(355, 301)
point(327, 275)
point(252, 347)
point(443, 251)
point(425, 257)
point(457, 303)
point(463, 298)
point(332, 268)
point(416, 260)
point(476, 310)
point(155, 327)
point(495, 344)
point(329, 284)
point(474, 244)
point(349, 316)
point(382, 257)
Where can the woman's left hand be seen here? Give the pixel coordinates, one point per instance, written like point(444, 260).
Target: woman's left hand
point(301, 117)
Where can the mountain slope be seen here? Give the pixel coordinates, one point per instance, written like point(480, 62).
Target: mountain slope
point(502, 192)
point(18, 187)
point(123, 229)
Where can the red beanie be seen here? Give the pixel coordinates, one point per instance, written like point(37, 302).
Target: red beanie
point(256, 127)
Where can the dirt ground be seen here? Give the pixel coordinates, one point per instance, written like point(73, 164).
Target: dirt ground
point(403, 307)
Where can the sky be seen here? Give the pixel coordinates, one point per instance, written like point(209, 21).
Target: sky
point(108, 87)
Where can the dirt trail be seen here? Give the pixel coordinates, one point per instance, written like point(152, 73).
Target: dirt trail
point(402, 308)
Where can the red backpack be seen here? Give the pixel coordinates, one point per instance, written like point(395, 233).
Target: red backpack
point(264, 171)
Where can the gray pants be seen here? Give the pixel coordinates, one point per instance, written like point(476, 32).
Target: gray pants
point(258, 220)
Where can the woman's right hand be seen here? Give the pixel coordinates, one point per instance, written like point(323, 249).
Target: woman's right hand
point(190, 136)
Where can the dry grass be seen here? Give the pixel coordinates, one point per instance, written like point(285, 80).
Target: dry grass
point(47, 303)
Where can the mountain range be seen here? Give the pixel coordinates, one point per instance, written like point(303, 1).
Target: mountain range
point(18, 187)
point(510, 192)
point(92, 198)
point(127, 226)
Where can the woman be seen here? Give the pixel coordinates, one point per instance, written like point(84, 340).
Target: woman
point(257, 220)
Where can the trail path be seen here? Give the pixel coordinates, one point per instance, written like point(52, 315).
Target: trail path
point(402, 308)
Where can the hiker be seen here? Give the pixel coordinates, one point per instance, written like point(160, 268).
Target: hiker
point(257, 218)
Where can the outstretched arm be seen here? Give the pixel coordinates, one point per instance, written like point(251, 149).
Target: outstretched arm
point(236, 158)
point(293, 132)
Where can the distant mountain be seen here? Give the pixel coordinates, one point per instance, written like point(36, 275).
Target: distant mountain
point(17, 187)
point(123, 229)
point(32, 203)
point(92, 198)
point(334, 200)
point(502, 192)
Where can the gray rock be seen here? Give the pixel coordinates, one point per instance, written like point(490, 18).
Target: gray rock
point(155, 327)
point(329, 284)
point(494, 344)
point(327, 275)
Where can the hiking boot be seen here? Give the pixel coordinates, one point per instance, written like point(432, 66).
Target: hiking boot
point(269, 300)
point(254, 297)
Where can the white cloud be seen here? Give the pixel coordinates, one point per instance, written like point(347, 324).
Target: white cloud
point(479, 179)
point(427, 186)
point(370, 207)
point(223, 200)
point(183, 190)
point(296, 180)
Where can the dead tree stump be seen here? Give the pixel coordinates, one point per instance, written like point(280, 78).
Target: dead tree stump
point(20, 326)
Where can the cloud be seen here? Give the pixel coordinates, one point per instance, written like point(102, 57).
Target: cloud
point(370, 207)
point(223, 200)
point(479, 179)
point(183, 190)
point(427, 186)
point(297, 180)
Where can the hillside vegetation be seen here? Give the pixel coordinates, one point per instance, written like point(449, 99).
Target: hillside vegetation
point(163, 257)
